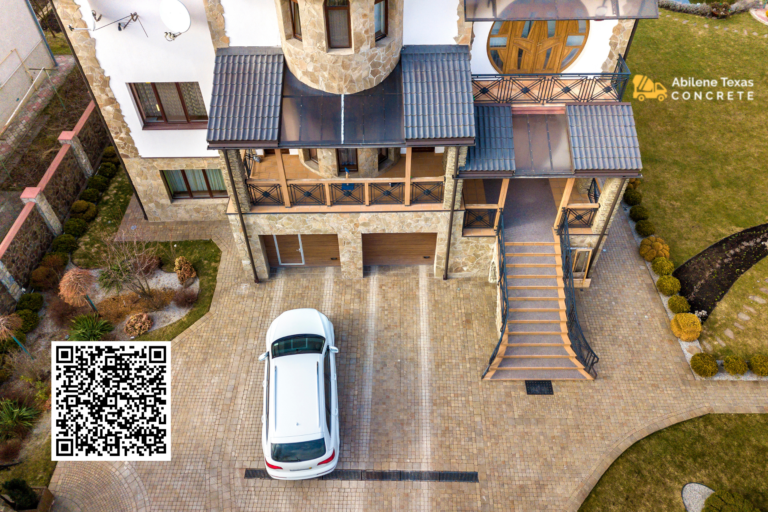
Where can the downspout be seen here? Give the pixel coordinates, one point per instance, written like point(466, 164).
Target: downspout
point(98, 109)
point(450, 218)
point(42, 34)
point(605, 226)
point(240, 214)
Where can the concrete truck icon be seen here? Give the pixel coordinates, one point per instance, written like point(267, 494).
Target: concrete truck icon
point(647, 88)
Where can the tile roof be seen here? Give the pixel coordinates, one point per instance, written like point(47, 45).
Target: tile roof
point(437, 92)
point(494, 148)
point(247, 89)
point(603, 137)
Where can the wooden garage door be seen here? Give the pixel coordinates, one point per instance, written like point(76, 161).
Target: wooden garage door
point(399, 248)
point(318, 250)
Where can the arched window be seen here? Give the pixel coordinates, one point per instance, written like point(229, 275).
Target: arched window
point(295, 18)
point(380, 18)
point(337, 24)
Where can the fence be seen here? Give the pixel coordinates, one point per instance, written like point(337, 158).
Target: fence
point(47, 205)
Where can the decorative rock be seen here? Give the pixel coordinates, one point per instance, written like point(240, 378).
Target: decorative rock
point(692, 349)
point(719, 341)
point(738, 326)
point(694, 496)
point(729, 333)
point(759, 300)
point(744, 317)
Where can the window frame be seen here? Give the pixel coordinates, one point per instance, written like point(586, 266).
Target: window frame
point(220, 194)
point(347, 8)
point(189, 124)
point(312, 153)
point(383, 154)
point(357, 161)
point(384, 33)
point(291, 4)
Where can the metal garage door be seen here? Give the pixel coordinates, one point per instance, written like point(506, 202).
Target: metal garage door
point(302, 250)
point(399, 248)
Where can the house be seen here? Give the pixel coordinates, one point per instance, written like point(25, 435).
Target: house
point(479, 137)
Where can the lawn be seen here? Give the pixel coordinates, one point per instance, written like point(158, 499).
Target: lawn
point(703, 161)
point(58, 43)
point(722, 451)
point(753, 338)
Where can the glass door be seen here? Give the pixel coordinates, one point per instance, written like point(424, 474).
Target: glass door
point(347, 160)
point(289, 249)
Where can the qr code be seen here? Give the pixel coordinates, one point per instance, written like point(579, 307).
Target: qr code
point(111, 401)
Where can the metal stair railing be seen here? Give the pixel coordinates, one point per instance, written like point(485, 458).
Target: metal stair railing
point(502, 283)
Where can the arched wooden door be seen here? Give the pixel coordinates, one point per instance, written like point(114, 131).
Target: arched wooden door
point(536, 46)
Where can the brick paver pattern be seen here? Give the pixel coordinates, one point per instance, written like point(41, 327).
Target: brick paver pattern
point(400, 393)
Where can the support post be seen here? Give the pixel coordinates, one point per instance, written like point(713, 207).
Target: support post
point(35, 195)
point(283, 180)
point(598, 246)
point(564, 201)
point(71, 139)
point(408, 161)
point(502, 200)
point(242, 222)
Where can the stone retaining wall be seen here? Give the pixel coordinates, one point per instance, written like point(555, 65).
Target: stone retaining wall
point(63, 182)
point(93, 137)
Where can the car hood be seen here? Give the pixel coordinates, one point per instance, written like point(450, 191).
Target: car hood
point(296, 321)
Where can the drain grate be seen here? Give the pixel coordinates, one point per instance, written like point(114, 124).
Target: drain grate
point(539, 387)
point(384, 476)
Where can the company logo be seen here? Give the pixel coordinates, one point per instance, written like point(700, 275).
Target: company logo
point(647, 88)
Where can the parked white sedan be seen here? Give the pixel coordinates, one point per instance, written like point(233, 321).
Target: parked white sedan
point(300, 421)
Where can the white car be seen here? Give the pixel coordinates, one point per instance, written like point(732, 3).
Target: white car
point(300, 421)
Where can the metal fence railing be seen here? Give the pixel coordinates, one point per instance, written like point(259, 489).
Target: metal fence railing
point(502, 283)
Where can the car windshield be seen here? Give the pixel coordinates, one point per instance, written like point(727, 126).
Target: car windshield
point(301, 344)
point(298, 452)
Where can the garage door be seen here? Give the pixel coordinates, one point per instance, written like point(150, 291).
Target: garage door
point(399, 248)
point(302, 250)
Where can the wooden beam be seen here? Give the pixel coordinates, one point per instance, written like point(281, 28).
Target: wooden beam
point(283, 180)
point(408, 160)
point(503, 193)
point(327, 194)
point(367, 191)
point(564, 200)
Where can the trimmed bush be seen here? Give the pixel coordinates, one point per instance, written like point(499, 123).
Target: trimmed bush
point(653, 247)
point(759, 365)
point(43, 278)
point(110, 155)
point(633, 197)
point(30, 301)
point(108, 170)
point(679, 304)
point(184, 270)
point(90, 195)
point(633, 183)
point(79, 206)
point(735, 365)
point(55, 260)
point(727, 501)
point(686, 326)
point(30, 319)
point(64, 243)
point(662, 266)
point(7, 345)
point(645, 228)
point(87, 214)
point(704, 365)
point(638, 213)
point(21, 494)
point(138, 324)
point(668, 285)
point(75, 227)
point(100, 183)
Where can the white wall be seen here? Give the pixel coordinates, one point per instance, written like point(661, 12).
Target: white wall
point(430, 22)
point(589, 61)
point(130, 56)
point(251, 22)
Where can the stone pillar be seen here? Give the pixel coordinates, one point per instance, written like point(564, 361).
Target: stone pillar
point(351, 254)
point(259, 256)
point(35, 195)
point(453, 158)
point(618, 44)
point(9, 282)
point(327, 166)
point(611, 188)
point(368, 162)
point(73, 140)
point(581, 185)
point(239, 175)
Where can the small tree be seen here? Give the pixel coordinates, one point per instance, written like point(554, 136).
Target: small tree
point(128, 265)
point(9, 324)
point(74, 286)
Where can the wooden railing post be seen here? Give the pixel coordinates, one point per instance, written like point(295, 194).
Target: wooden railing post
point(564, 200)
point(408, 160)
point(283, 180)
point(367, 193)
point(502, 200)
point(327, 194)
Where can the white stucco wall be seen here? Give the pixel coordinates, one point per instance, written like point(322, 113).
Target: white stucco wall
point(251, 22)
point(430, 21)
point(589, 61)
point(130, 56)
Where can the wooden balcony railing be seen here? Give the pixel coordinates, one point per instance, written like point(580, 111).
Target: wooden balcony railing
point(580, 216)
point(481, 216)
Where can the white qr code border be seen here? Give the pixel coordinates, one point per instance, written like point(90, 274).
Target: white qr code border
point(57, 410)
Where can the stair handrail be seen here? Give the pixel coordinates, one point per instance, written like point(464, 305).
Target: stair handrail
point(584, 352)
point(502, 283)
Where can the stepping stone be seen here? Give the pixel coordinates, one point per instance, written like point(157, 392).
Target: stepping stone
point(719, 341)
point(706, 26)
point(754, 33)
point(694, 496)
point(744, 316)
point(729, 333)
point(764, 290)
point(751, 310)
point(759, 300)
point(707, 346)
point(685, 21)
point(738, 326)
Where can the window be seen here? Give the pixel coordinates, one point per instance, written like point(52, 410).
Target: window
point(295, 19)
point(383, 154)
point(195, 183)
point(164, 104)
point(313, 155)
point(380, 18)
point(347, 160)
point(327, 386)
point(337, 23)
point(298, 452)
point(302, 344)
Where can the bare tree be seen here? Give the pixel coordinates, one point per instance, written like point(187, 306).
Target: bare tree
point(74, 286)
point(9, 324)
point(128, 266)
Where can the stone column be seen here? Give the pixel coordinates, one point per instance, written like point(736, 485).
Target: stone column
point(35, 195)
point(368, 162)
point(453, 158)
point(9, 282)
point(262, 269)
point(351, 254)
point(73, 140)
point(327, 166)
point(618, 44)
point(239, 175)
point(611, 188)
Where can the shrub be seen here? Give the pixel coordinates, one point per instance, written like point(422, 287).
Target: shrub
point(662, 266)
point(111, 156)
point(638, 213)
point(633, 183)
point(15, 419)
point(29, 319)
point(79, 206)
point(759, 365)
point(43, 278)
point(88, 328)
point(184, 270)
point(653, 247)
point(735, 365)
point(9, 450)
point(9, 345)
point(74, 286)
point(138, 324)
point(90, 195)
point(686, 326)
point(633, 197)
point(64, 243)
point(30, 301)
point(185, 297)
point(704, 365)
point(75, 227)
point(61, 312)
point(108, 170)
point(87, 214)
point(100, 183)
point(27, 368)
point(668, 285)
point(21, 494)
point(645, 228)
point(55, 260)
point(679, 304)
point(147, 263)
point(726, 501)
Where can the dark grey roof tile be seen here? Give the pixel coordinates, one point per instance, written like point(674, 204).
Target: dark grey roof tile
point(494, 145)
point(603, 137)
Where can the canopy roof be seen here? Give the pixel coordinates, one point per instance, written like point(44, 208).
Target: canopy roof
point(521, 10)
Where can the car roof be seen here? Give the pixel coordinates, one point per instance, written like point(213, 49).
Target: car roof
point(296, 412)
point(296, 321)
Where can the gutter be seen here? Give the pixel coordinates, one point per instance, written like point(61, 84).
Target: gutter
point(42, 33)
point(240, 214)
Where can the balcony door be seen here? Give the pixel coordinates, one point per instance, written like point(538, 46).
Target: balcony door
point(536, 46)
point(347, 160)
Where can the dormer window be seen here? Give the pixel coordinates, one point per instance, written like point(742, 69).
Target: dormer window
point(337, 24)
point(295, 19)
point(380, 18)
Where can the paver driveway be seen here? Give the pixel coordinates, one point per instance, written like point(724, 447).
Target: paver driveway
point(412, 352)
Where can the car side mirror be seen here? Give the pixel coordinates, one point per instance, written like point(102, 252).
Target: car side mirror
point(264, 356)
point(333, 350)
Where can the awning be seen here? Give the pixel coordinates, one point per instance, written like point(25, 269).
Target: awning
point(521, 10)
point(603, 138)
point(494, 149)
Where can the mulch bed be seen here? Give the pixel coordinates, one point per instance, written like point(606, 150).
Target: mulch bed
point(707, 277)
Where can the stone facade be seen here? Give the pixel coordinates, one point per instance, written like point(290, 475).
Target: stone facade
point(239, 175)
point(341, 71)
point(77, 149)
point(214, 12)
point(450, 165)
point(618, 44)
point(93, 138)
point(367, 162)
point(466, 36)
point(65, 184)
point(36, 196)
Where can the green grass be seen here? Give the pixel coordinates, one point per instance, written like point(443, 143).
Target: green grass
point(722, 451)
point(37, 467)
point(111, 210)
point(703, 161)
point(58, 43)
point(753, 339)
